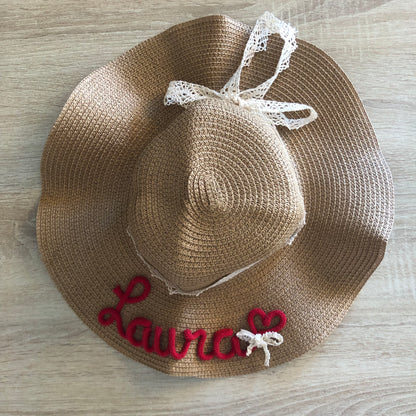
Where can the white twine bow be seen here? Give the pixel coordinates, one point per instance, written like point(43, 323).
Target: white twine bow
point(261, 341)
point(183, 92)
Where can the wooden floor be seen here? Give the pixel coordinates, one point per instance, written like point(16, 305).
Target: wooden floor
point(51, 364)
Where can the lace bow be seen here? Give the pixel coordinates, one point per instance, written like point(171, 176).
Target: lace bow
point(261, 341)
point(183, 92)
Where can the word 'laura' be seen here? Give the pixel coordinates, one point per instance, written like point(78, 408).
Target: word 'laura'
point(109, 315)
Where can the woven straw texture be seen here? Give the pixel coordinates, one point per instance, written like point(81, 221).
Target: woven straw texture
point(213, 193)
point(115, 126)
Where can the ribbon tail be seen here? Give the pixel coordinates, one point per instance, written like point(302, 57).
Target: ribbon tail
point(249, 350)
point(183, 93)
point(266, 356)
point(275, 112)
point(266, 25)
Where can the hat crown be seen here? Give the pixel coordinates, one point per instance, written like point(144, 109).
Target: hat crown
point(206, 193)
point(216, 192)
point(212, 194)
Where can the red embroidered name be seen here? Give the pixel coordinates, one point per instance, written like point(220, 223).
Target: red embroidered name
point(109, 315)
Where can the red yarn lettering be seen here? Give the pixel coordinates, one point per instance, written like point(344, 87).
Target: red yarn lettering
point(109, 315)
point(202, 335)
point(131, 329)
point(266, 320)
point(172, 345)
point(156, 343)
point(218, 337)
point(237, 348)
point(125, 296)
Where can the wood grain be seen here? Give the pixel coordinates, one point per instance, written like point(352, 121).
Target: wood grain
point(51, 364)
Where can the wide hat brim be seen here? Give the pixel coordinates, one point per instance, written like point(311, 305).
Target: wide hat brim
point(87, 168)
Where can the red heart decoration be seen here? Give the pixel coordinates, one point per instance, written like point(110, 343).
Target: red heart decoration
point(266, 319)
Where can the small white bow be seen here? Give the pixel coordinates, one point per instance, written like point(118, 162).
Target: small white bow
point(184, 93)
point(261, 341)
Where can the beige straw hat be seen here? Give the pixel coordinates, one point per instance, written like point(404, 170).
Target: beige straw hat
point(211, 207)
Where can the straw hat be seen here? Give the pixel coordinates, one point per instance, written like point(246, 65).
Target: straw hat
point(211, 207)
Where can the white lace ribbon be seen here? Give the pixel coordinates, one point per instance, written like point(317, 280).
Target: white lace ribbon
point(260, 341)
point(184, 93)
point(175, 290)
